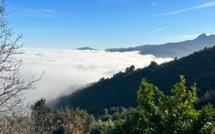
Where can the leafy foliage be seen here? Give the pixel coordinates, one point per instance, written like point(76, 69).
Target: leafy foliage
point(159, 113)
point(112, 113)
point(42, 117)
point(73, 121)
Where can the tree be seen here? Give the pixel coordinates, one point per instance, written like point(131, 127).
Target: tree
point(159, 113)
point(13, 117)
point(74, 121)
point(130, 69)
point(153, 64)
point(12, 84)
point(41, 117)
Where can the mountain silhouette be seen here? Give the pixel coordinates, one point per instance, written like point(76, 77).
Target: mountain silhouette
point(177, 49)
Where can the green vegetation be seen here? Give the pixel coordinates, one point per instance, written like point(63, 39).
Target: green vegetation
point(42, 117)
point(120, 90)
point(162, 114)
point(156, 113)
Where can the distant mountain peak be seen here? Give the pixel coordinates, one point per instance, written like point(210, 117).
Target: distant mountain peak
point(212, 35)
point(202, 36)
point(86, 48)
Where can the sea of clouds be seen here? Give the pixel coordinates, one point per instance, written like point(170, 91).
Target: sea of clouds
point(67, 69)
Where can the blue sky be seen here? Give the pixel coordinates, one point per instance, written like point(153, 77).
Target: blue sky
point(109, 23)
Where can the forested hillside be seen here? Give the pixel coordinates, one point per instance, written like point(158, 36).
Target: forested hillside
point(121, 89)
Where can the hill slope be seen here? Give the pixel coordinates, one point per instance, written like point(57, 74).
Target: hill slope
point(178, 49)
point(121, 89)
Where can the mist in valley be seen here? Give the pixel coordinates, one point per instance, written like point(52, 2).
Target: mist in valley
point(67, 70)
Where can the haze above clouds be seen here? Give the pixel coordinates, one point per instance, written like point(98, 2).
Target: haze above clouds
point(66, 69)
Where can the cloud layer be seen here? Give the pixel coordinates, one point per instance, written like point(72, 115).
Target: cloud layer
point(68, 69)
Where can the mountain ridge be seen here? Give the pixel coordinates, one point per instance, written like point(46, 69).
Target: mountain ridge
point(86, 48)
point(173, 49)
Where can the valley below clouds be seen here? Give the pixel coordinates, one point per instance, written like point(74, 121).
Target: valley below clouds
point(66, 70)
